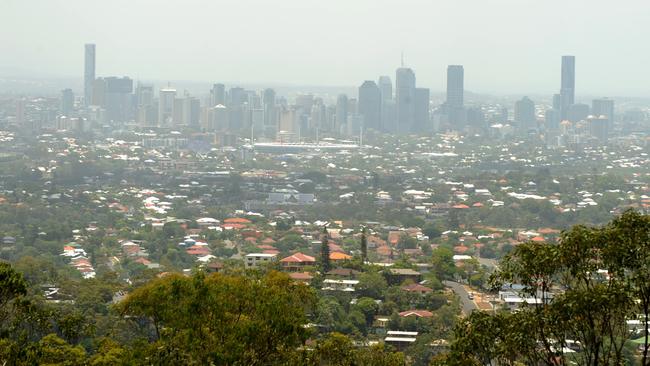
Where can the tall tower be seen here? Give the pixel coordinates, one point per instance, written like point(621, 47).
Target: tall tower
point(455, 85)
point(166, 100)
point(370, 104)
point(405, 100)
point(455, 94)
point(568, 85)
point(89, 72)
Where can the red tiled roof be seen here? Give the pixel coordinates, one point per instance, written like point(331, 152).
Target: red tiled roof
point(298, 258)
point(237, 220)
point(416, 287)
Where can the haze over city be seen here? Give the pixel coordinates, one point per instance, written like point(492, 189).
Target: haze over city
point(506, 46)
point(324, 183)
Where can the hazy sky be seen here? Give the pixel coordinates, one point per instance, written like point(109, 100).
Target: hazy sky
point(507, 46)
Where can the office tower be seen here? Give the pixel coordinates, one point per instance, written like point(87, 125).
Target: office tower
point(166, 98)
point(145, 110)
point(525, 114)
point(557, 102)
point(599, 127)
point(115, 96)
point(404, 100)
point(387, 113)
point(270, 112)
point(304, 102)
point(455, 96)
point(217, 119)
point(341, 113)
point(577, 112)
point(89, 72)
point(370, 104)
point(603, 107)
point(237, 96)
point(552, 119)
point(191, 111)
point(422, 118)
point(217, 95)
point(476, 119)
point(568, 84)
point(67, 102)
point(385, 85)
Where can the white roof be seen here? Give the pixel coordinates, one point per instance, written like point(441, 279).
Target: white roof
point(400, 339)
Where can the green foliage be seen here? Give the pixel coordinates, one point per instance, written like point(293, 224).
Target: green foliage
point(587, 286)
point(325, 252)
point(222, 319)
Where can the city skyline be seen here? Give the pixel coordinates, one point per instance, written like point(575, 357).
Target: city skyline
point(292, 52)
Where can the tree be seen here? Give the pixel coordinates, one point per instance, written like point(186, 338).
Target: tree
point(603, 273)
point(364, 245)
point(12, 287)
point(325, 252)
point(442, 259)
point(221, 319)
point(372, 284)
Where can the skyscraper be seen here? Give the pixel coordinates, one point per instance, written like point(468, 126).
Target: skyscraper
point(166, 100)
point(218, 95)
point(387, 113)
point(422, 119)
point(603, 107)
point(270, 112)
point(568, 85)
point(341, 113)
point(385, 87)
point(455, 95)
point(145, 110)
point(89, 72)
point(525, 114)
point(370, 104)
point(67, 102)
point(404, 100)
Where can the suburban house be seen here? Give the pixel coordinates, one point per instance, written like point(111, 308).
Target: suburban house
point(254, 260)
point(340, 285)
point(297, 262)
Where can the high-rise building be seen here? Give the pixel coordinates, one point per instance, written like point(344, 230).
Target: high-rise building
point(568, 85)
point(67, 102)
point(404, 100)
point(578, 112)
point(387, 114)
point(456, 96)
point(603, 107)
point(117, 98)
point(218, 95)
point(166, 98)
point(370, 104)
point(191, 111)
point(89, 72)
point(525, 114)
point(598, 127)
point(270, 112)
point(552, 119)
point(341, 113)
point(145, 109)
point(422, 117)
point(385, 85)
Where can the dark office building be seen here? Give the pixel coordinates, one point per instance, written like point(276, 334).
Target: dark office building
point(370, 105)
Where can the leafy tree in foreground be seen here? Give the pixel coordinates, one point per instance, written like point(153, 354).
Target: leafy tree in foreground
point(586, 287)
point(222, 319)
